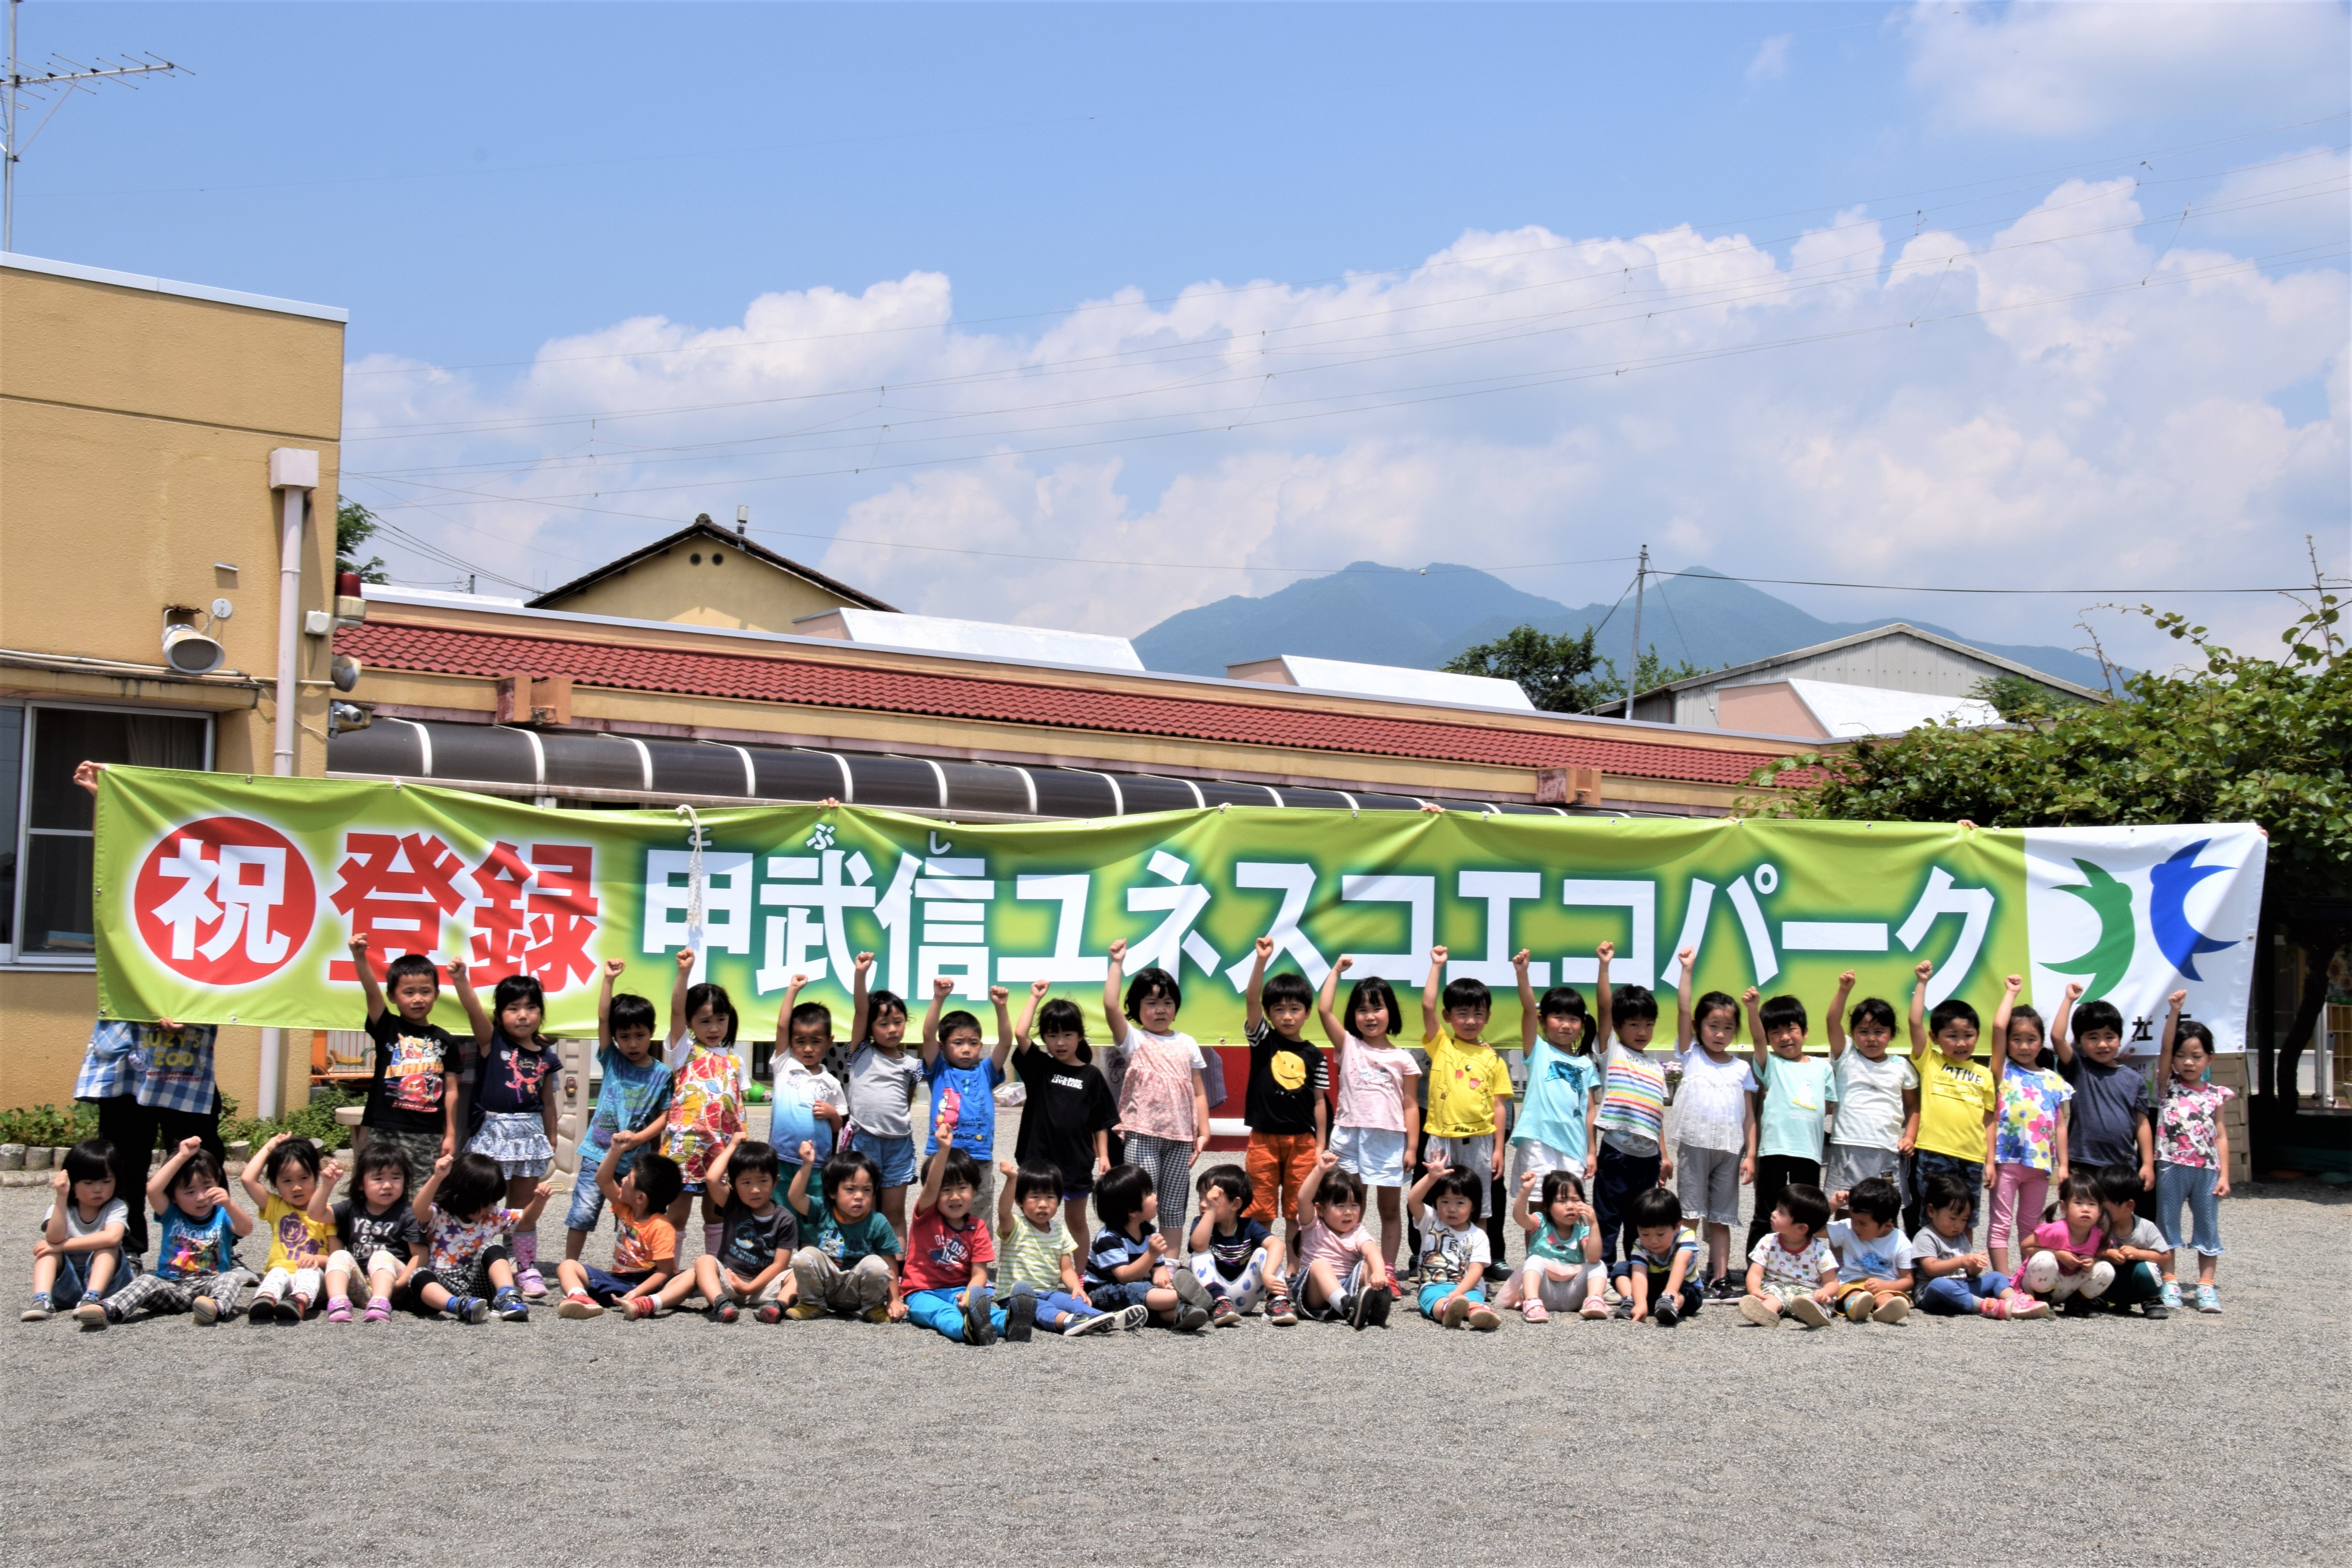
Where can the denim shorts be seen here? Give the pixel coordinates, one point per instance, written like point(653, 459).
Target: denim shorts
point(1375, 1154)
point(72, 1282)
point(587, 1198)
point(1112, 1295)
point(894, 1156)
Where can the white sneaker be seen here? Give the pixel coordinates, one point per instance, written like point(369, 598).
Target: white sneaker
point(1134, 1317)
point(1807, 1312)
point(1101, 1322)
point(1759, 1311)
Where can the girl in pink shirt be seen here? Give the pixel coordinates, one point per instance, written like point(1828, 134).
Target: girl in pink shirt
point(2061, 1256)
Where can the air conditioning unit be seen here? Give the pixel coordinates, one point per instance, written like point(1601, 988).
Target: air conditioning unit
point(190, 652)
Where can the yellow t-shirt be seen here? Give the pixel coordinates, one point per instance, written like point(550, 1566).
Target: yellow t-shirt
point(295, 1240)
point(1464, 1078)
point(1955, 1098)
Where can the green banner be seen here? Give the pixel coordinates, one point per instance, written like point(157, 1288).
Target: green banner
point(228, 901)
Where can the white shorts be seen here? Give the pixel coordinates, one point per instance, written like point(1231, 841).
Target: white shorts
point(1375, 1154)
point(1528, 1155)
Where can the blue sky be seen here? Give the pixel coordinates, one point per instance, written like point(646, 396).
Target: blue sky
point(482, 185)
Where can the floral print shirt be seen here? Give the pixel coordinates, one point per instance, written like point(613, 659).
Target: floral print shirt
point(2187, 1123)
point(2032, 1100)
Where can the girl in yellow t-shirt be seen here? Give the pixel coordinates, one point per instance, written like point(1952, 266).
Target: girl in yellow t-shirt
point(295, 1186)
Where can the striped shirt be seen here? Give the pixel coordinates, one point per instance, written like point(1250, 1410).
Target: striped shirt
point(1633, 1096)
point(1113, 1249)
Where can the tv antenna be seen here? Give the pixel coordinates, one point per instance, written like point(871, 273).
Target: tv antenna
point(52, 85)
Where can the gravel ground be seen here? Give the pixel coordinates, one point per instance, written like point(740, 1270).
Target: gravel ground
point(837, 1442)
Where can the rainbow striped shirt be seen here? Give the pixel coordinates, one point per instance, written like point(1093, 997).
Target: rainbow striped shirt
point(1633, 1096)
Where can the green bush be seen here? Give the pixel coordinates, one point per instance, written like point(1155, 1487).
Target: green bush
point(46, 1126)
point(315, 1121)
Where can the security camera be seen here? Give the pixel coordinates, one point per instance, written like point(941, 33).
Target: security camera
point(342, 716)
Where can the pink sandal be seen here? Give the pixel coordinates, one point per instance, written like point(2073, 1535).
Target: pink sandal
point(378, 1310)
point(339, 1310)
point(1534, 1311)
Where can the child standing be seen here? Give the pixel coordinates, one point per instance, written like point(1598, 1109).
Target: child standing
point(1469, 1089)
point(752, 1266)
point(1632, 1157)
point(2192, 1152)
point(1234, 1255)
point(1379, 1122)
point(645, 1243)
point(411, 1097)
point(848, 1259)
point(963, 1077)
point(881, 1082)
point(2029, 1140)
point(1341, 1271)
point(2062, 1262)
point(2109, 1129)
point(1873, 1255)
point(706, 1092)
point(1066, 1117)
point(632, 1100)
point(1562, 1272)
point(1163, 1099)
point(1455, 1253)
point(1953, 1280)
point(78, 1263)
point(1553, 1129)
point(1714, 1120)
point(1037, 1260)
point(517, 1096)
point(1796, 1090)
point(948, 1251)
point(1659, 1278)
point(809, 1103)
point(1127, 1266)
point(1287, 1108)
point(1956, 1102)
point(460, 1209)
point(293, 1187)
point(1877, 1095)
point(1792, 1272)
point(197, 1228)
point(379, 1242)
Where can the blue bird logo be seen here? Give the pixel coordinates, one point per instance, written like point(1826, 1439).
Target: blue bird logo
point(2167, 914)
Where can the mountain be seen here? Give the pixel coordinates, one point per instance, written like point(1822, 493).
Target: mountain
point(1392, 614)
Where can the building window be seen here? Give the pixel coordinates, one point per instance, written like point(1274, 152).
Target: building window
point(48, 907)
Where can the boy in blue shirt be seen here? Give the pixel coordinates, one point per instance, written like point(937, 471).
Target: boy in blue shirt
point(632, 1100)
point(962, 1074)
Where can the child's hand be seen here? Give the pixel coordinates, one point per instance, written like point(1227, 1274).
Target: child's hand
point(1435, 1165)
point(542, 1193)
point(685, 958)
point(1825, 1294)
point(943, 986)
point(1605, 952)
point(1845, 981)
point(1119, 951)
point(43, 1247)
point(1923, 969)
point(1528, 1181)
point(1345, 963)
point(458, 968)
point(2073, 992)
point(1519, 963)
point(1156, 1245)
point(441, 1166)
point(214, 1197)
point(2177, 999)
point(998, 995)
point(897, 1311)
point(796, 982)
point(1992, 1177)
point(1007, 1169)
point(613, 967)
point(2013, 984)
point(808, 1153)
point(360, 945)
point(831, 1113)
point(1437, 953)
point(330, 1173)
point(1039, 987)
point(862, 963)
point(61, 1183)
point(1264, 948)
point(1686, 956)
point(1748, 997)
point(1326, 1162)
point(189, 1146)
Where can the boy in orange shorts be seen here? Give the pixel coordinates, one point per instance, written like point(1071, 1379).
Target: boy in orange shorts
point(1287, 1109)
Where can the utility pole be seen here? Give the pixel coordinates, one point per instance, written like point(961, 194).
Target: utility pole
point(61, 80)
point(1634, 671)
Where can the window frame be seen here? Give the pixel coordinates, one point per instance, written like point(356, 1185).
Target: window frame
point(21, 831)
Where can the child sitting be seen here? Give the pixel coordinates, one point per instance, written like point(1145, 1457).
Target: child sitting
point(378, 1239)
point(948, 1252)
point(1341, 1271)
point(1285, 1107)
point(1455, 1252)
point(78, 1262)
point(644, 1242)
point(1380, 1123)
point(808, 1103)
point(848, 1258)
point(196, 1230)
point(752, 1265)
point(1873, 1255)
point(460, 1208)
point(287, 1179)
point(1234, 1255)
point(1714, 1120)
point(1562, 1272)
point(1953, 1280)
point(1038, 1261)
point(1068, 1112)
point(1792, 1270)
point(881, 1079)
point(2062, 1262)
point(2136, 1248)
point(1659, 1278)
point(1127, 1266)
point(632, 1100)
point(2192, 1152)
point(1795, 1091)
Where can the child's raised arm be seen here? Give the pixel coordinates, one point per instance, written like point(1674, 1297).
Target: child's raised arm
point(936, 1167)
point(2062, 1028)
point(251, 1176)
point(2009, 990)
point(422, 1204)
point(1253, 1004)
point(1601, 955)
point(678, 1022)
point(2171, 1030)
point(1523, 1206)
point(1430, 1016)
point(485, 1027)
point(1748, 1002)
point(323, 1192)
point(942, 985)
point(1114, 1016)
point(997, 997)
point(1325, 1000)
point(368, 988)
point(860, 967)
point(1037, 989)
point(797, 1193)
point(1837, 1014)
point(718, 1186)
point(1005, 1202)
point(530, 1211)
point(1919, 1011)
point(159, 1185)
point(1435, 1167)
point(1312, 1182)
point(611, 968)
point(1527, 1026)
point(1686, 1027)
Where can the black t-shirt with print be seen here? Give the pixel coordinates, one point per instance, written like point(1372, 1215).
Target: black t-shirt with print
point(1287, 1078)
point(396, 1231)
point(1067, 1106)
point(752, 1240)
point(412, 1065)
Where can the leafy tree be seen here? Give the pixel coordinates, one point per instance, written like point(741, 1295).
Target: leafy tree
point(2018, 698)
point(1650, 672)
point(354, 526)
point(1555, 671)
point(2243, 738)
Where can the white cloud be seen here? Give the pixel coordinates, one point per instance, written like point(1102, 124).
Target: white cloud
point(2072, 399)
point(1771, 61)
point(2044, 69)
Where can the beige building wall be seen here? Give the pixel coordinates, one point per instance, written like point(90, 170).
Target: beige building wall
point(703, 582)
point(136, 421)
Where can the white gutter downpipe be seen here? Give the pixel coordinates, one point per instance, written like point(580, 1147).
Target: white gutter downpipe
point(293, 474)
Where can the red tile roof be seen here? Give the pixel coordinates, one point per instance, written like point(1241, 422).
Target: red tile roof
point(766, 677)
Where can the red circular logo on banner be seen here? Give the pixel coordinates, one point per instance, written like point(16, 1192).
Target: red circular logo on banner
point(224, 901)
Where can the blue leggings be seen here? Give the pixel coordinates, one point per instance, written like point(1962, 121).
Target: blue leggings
point(1056, 1310)
point(943, 1310)
point(1957, 1294)
point(1437, 1290)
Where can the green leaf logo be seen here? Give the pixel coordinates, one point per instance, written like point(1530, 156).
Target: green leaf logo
point(2106, 959)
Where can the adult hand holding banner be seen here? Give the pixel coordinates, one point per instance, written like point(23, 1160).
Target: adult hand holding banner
point(227, 900)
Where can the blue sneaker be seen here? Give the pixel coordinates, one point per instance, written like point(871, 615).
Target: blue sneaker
point(469, 1309)
point(2170, 1296)
point(508, 1304)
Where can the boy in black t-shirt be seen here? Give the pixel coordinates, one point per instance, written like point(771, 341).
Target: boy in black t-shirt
point(412, 1098)
point(1287, 1110)
point(1067, 1119)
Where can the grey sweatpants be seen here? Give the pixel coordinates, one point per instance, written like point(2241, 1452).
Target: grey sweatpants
point(158, 1294)
point(824, 1283)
